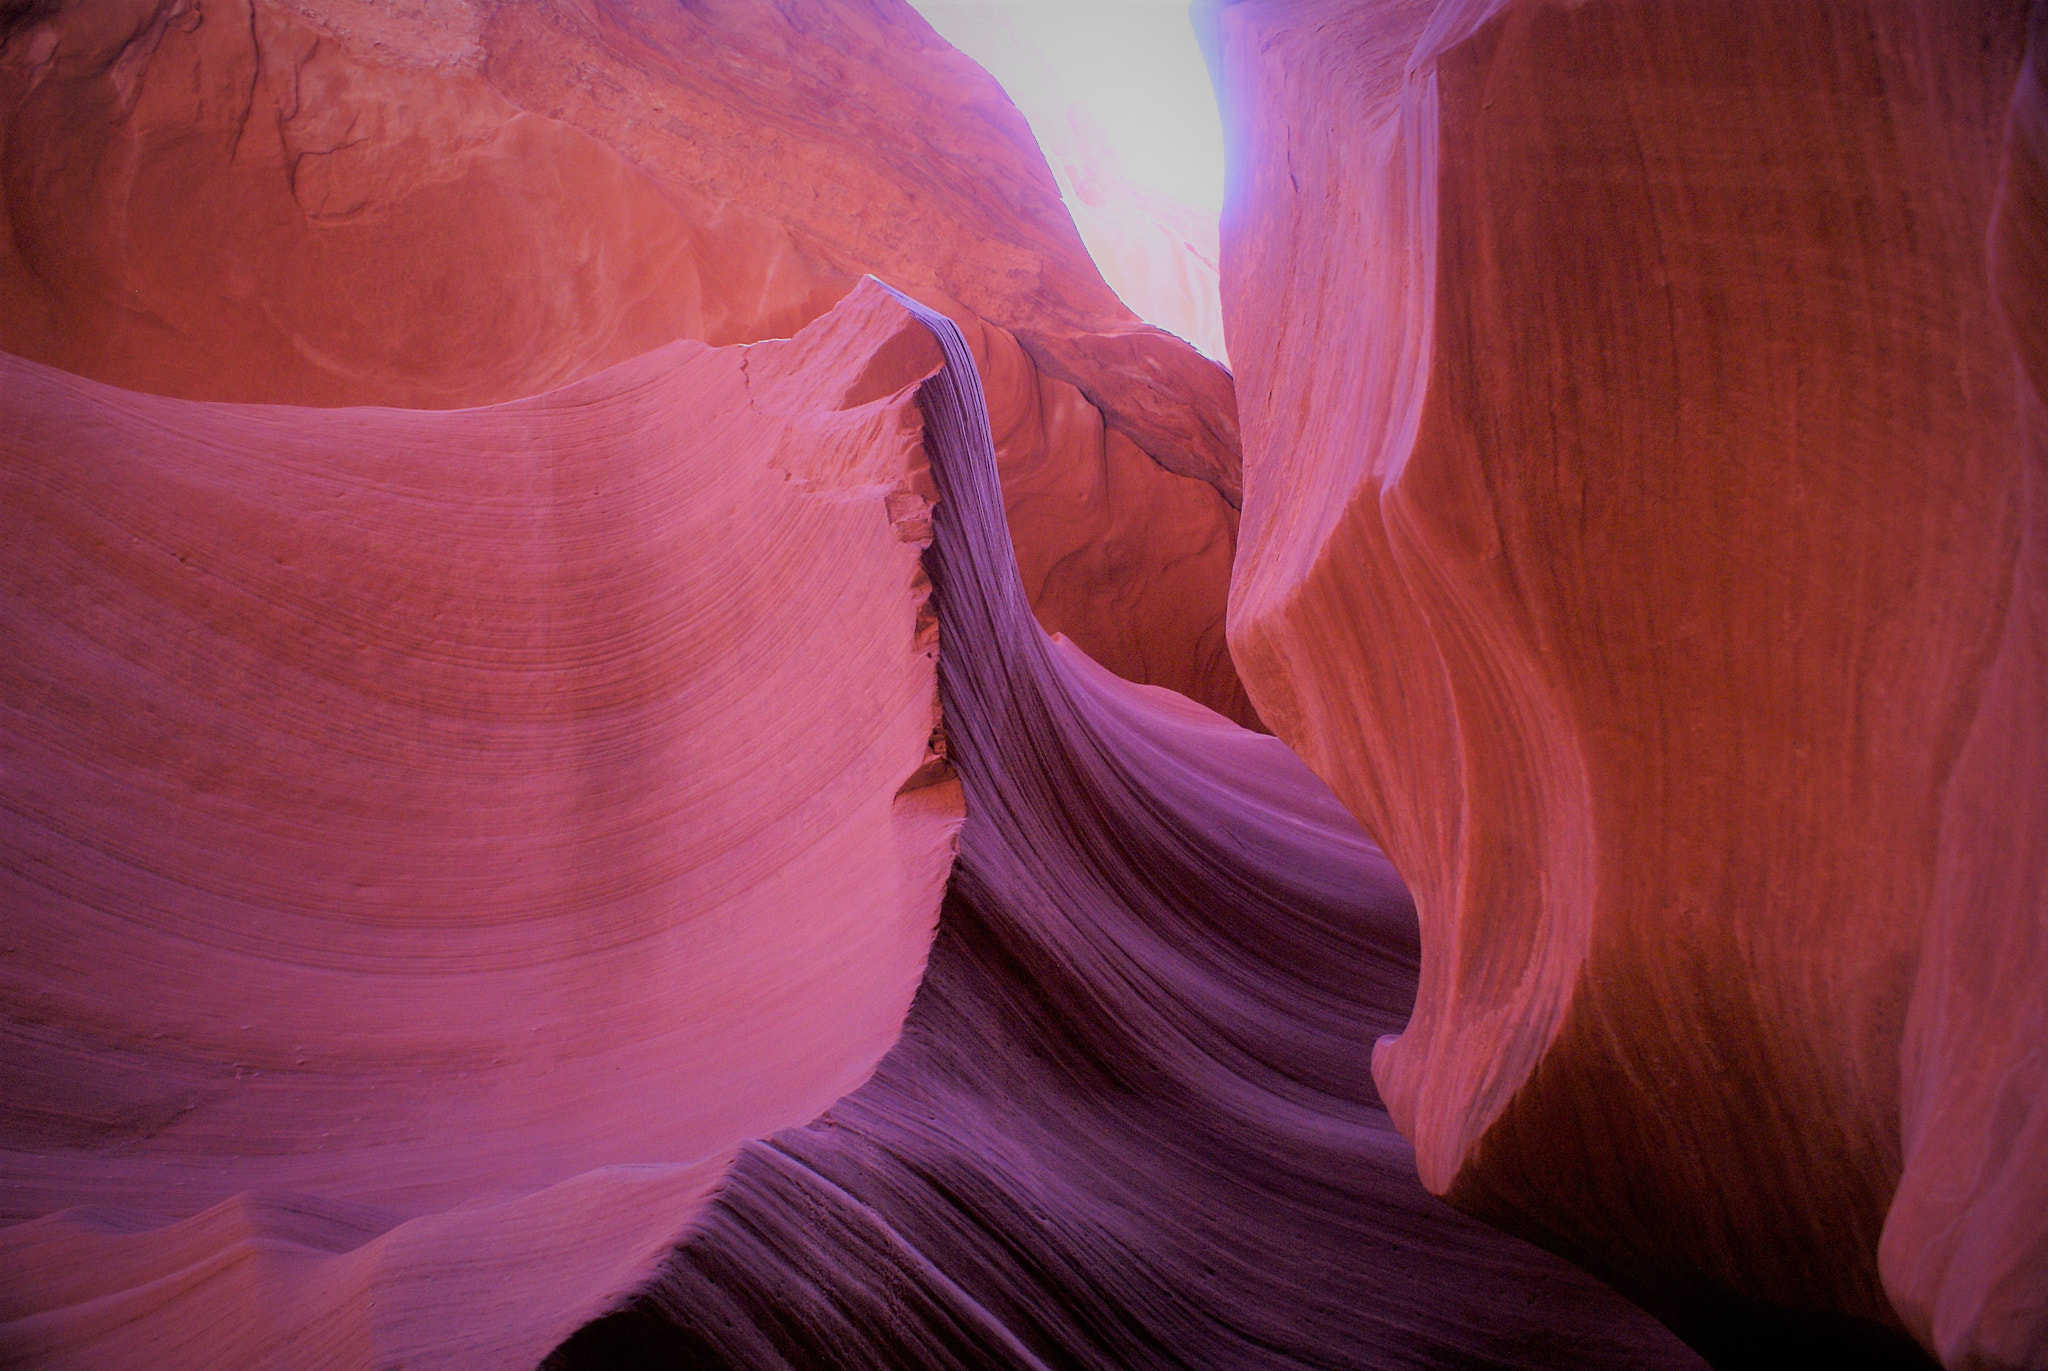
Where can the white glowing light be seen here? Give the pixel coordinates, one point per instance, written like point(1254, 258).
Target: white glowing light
point(1120, 100)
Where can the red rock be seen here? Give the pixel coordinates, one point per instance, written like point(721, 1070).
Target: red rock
point(460, 203)
point(433, 840)
point(1642, 536)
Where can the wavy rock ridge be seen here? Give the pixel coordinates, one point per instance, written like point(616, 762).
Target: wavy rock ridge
point(1130, 1122)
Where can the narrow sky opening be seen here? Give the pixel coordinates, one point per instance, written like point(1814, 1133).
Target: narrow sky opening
point(1120, 100)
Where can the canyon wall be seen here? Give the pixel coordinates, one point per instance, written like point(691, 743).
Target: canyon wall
point(510, 625)
point(461, 202)
point(1642, 536)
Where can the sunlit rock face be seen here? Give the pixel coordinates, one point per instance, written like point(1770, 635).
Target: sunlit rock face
point(1642, 534)
point(413, 895)
point(458, 203)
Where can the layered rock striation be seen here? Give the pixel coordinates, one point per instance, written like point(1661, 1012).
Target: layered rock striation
point(413, 893)
point(1641, 535)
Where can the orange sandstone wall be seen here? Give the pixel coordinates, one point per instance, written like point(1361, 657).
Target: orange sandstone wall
point(1642, 536)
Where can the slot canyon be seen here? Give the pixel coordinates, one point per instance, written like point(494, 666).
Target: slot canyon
point(643, 726)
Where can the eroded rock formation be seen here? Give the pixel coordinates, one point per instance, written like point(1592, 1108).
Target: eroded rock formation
point(463, 202)
point(1642, 536)
point(451, 855)
point(1130, 1123)
point(434, 840)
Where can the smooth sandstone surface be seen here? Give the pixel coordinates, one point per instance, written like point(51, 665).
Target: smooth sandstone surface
point(1641, 535)
point(459, 202)
point(1130, 1123)
point(414, 891)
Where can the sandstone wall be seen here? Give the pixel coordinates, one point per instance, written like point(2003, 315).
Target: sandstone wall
point(1640, 535)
